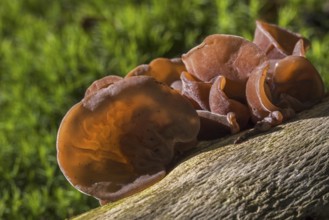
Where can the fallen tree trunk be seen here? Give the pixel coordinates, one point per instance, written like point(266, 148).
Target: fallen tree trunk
point(281, 174)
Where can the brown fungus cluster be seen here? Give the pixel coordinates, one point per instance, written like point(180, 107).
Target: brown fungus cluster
point(126, 132)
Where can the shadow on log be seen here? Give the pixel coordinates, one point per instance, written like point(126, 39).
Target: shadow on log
point(281, 174)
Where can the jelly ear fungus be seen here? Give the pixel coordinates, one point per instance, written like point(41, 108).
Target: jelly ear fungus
point(120, 139)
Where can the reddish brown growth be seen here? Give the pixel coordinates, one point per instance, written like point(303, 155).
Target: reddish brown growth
point(121, 138)
point(163, 70)
point(126, 132)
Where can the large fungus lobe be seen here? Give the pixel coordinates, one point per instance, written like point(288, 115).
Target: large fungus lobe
point(121, 138)
point(225, 55)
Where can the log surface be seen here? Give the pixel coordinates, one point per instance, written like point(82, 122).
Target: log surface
point(280, 174)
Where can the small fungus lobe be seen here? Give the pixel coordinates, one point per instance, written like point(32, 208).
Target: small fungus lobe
point(162, 69)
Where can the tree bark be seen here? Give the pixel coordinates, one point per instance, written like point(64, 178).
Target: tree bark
point(280, 174)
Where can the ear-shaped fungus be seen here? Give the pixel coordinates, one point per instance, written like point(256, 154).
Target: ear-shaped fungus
point(213, 125)
point(296, 83)
point(162, 69)
point(221, 104)
point(121, 138)
point(277, 42)
point(225, 55)
point(259, 98)
point(101, 83)
point(196, 91)
point(218, 69)
point(287, 83)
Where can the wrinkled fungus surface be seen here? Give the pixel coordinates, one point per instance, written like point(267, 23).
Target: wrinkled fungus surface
point(122, 138)
point(126, 132)
point(230, 56)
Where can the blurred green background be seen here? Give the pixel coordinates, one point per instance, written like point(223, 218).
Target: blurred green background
point(50, 52)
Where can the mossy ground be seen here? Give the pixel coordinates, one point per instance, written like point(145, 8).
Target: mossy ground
point(50, 51)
